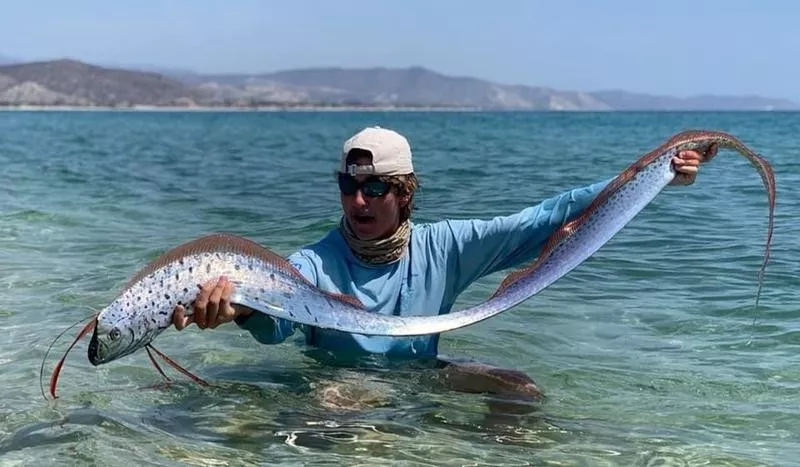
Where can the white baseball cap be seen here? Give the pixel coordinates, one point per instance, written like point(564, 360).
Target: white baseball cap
point(391, 153)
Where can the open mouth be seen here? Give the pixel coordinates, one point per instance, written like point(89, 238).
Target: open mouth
point(94, 350)
point(364, 219)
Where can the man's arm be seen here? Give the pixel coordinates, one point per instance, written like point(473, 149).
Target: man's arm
point(482, 247)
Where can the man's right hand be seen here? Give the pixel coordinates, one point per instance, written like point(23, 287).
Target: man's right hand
point(212, 307)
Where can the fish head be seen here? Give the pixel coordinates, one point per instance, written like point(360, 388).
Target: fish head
point(116, 334)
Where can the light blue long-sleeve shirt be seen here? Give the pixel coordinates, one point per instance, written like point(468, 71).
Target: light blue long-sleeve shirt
point(443, 259)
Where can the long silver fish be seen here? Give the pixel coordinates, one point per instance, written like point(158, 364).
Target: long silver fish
point(267, 283)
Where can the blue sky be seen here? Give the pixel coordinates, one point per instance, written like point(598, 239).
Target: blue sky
point(677, 47)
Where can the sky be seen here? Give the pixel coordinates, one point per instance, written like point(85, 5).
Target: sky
point(675, 47)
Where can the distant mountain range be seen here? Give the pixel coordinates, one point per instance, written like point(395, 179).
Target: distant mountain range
point(7, 60)
point(74, 83)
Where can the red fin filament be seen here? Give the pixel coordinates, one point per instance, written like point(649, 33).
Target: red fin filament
point(57, 371)
point(173, 364)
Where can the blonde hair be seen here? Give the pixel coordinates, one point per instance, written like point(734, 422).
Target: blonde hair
point(403, 185)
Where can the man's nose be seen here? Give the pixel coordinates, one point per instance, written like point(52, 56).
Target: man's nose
point(359, 198)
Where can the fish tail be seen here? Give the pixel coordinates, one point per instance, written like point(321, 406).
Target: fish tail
point(712, 138)
point(767, 174)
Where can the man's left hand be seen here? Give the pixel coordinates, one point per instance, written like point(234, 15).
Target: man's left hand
point(687, 164)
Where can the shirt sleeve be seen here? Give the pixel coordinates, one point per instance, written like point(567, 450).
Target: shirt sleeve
point(482, 247)
point(268, 329)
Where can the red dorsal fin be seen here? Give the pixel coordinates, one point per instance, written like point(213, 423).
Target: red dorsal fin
point(219, 242)
point(347, 299)
point(230, 243)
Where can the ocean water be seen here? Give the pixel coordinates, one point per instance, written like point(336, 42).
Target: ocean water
point(650, 353)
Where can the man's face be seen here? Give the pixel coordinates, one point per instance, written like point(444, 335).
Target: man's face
point(371, 217)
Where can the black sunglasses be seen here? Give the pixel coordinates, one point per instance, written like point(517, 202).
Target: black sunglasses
point(372, 187)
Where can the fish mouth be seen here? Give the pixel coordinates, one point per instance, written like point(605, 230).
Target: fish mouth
point(94, 350)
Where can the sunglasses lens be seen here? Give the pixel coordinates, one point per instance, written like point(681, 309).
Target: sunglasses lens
point(374, 188)
point(347, 184)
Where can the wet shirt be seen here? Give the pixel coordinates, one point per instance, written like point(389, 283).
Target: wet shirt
point(443, 259)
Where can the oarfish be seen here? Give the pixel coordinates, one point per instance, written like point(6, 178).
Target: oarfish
point(267, 283)
point(570, 245)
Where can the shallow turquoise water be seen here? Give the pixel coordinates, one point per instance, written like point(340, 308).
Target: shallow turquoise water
point(648, 352)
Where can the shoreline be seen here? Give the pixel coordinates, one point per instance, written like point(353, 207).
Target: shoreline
point(266, 108)
point(345, 108)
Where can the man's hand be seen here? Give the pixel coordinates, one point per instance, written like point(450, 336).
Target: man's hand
point(687, 165)
point(212, 307)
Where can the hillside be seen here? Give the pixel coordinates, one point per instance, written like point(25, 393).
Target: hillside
point(71, 82)
point(386, 86)
point(74, 83)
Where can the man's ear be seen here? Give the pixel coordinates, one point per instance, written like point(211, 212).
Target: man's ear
point(404, 200)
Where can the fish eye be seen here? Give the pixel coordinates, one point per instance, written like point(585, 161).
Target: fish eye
point(114, 334)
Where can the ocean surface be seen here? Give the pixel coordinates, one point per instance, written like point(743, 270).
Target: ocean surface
point(650, 353)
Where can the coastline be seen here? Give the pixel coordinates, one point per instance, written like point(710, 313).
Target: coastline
point(276, 108)
point(265, 108)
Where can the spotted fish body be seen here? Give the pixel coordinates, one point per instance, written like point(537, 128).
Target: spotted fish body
point(262, 279)
point(268, 284)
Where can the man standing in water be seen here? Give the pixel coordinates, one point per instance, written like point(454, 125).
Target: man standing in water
point(398, 268)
